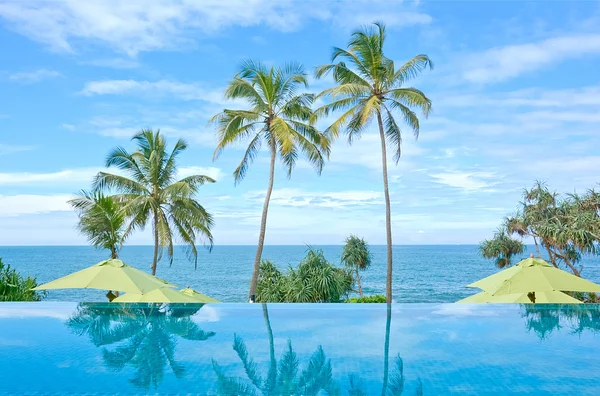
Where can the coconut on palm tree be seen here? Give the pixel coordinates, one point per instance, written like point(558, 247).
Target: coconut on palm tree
point(357, 257)
point(101, 219)
point(278, 116)
point(151, 193)
point(370, 87)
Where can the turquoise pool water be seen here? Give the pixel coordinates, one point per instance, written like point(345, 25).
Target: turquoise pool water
point(283, 349)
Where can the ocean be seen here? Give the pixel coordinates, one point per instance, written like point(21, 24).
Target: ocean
point(422, 274)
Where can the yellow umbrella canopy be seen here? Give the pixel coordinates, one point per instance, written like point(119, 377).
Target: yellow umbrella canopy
point(110, 274)
point(549, 297)
point(188, 291)
point(533, 275)
point(162, 295)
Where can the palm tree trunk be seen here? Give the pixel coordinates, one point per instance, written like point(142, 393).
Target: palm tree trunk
point(537, 248)
point(155, 259)
point(358, 281)
point(388, 212)
point(263, 226)
point(273, 363)
point(386, 349)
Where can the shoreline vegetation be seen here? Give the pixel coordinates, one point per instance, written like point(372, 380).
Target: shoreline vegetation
point(369, 90)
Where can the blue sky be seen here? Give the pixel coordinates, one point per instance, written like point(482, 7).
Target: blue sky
point(515, 91)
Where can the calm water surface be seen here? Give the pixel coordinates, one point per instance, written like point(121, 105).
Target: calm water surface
point(421, 273)
point(283, 349)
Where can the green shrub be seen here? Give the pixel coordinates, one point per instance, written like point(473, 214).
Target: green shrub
point(314, 280)
point(14, 287)
point(378, 298)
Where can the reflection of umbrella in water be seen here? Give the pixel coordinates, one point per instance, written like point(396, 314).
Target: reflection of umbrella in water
point(549, 297)
point(165, 295)
point(110, 274)
point(531, 277)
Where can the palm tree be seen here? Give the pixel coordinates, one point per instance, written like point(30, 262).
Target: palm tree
point(151, 193)
point(145, 338)
point(502, 248)
point(102, 220)
point(356, 256)
point(370, 87)
point(277, 116)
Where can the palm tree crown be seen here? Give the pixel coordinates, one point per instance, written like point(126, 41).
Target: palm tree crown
point(151, 191)
point(101, 219)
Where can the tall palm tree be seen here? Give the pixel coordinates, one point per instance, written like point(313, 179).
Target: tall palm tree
point(101, 219)
point(150, 192)
point(370, 87)
point(357, 257)
point(502, 248)
point(278, 116)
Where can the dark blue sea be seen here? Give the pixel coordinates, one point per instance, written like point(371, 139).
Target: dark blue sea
point(423, 273)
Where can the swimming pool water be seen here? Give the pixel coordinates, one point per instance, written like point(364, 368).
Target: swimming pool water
point(283, 349)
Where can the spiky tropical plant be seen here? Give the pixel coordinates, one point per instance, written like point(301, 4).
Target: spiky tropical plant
point(145, 338)
point(357, 257)
point(277, 116)
point(314, 280)
point(370, 87)
point(502, 248)
point(15, 287)
point(565, 227)
point(151, 193)
point(101, 219)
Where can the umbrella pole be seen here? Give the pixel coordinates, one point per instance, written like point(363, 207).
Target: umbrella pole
point(531, 296)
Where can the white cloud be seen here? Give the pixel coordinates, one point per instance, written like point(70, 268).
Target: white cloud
point(9, 148)
point(209, 171)
point(297, 198)
point(67, 175)
point(144, 25)
point(69, 127)
point(502, 63)
point(114, 63)
point(157, 88)
point(33, 76)
point(473, 181)
point(15, 205)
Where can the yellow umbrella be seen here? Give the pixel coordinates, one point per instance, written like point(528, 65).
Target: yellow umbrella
point(162, 295)
point(188, 291)
point(533, 275)
point(110, 274)
point(549, 297)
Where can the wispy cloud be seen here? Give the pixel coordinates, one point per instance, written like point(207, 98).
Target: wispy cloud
point(16, 205)
point(469, 182)
point(10, 149)
point(114, 63)
point(145, 25)
point(297, 198)
point(68, 175)
point(502, 63)
point(192, 91)
point(209, 171)
point(33, 76)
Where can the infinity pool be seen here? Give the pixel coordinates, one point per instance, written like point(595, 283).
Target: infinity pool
point(283, 349)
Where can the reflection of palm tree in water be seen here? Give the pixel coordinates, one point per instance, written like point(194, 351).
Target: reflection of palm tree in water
point(546, 319)
point(392, 385)
point(147, 336)
point(282, 377)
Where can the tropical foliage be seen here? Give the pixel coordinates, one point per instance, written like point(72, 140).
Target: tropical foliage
point(14, 287)
point(151, 193)
point(145, 338)
point(577, 318)
point(278, 115)
point(563, 228)
point(102, 220)
point(378, 298)
point(502, 248)
point(371, 87)
point(356, 256)
point(314, 280)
